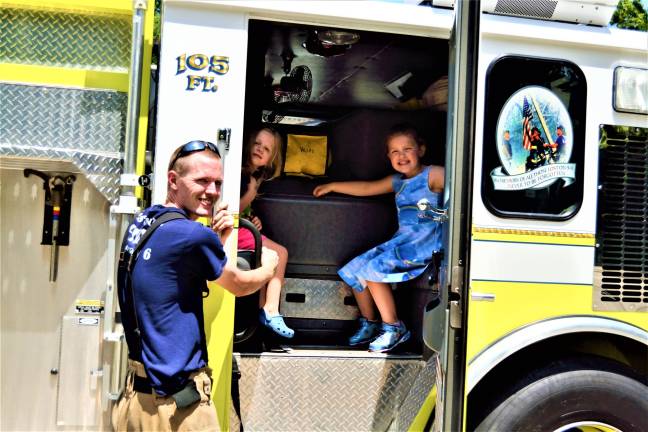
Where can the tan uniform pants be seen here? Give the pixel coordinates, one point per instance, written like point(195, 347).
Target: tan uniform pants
point(149, 412)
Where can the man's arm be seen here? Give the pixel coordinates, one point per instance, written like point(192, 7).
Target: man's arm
point(241, 283)
point(236, 281)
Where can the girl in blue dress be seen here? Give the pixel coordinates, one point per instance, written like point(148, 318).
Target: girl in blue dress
point(407, 254)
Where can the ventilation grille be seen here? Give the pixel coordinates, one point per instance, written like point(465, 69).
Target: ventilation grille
point(526, 8)
point(622, 230)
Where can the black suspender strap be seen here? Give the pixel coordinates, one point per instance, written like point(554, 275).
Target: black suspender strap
point(166, 217)
point(127, 262)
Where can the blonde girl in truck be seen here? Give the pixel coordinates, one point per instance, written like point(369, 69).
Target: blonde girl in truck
point(261, 162)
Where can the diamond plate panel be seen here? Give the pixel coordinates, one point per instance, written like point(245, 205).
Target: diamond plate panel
point(65, 39)
point(324, 299)
point(63, 118)
point(419, 390)
point(288, 392)
point(85, 127)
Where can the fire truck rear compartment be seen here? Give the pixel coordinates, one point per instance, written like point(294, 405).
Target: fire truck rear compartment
point(353, 103)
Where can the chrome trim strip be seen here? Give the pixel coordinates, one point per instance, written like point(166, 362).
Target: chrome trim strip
point(486, 360)
point(479, 296)
point(590, 425)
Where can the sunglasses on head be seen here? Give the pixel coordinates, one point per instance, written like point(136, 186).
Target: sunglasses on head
point(194, 146)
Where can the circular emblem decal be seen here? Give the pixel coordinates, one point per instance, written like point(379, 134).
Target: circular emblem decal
point(533, 135)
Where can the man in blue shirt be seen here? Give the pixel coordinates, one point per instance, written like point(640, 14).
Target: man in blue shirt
point(168, 385)
point(559, 143)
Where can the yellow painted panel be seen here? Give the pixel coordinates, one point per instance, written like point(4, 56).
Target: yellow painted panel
point(421, 419)
point(518, 304)
point(67, 77)
point(108, 7)
point(219, 330)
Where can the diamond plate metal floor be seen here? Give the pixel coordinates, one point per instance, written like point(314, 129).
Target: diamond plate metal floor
point(314, 389)
point(323, 299)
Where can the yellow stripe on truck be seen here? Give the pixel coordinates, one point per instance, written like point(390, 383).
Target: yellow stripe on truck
point(532, 236)
point(92, 7)
point(63, 77)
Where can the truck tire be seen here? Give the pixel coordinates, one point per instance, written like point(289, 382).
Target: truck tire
point(577, 398)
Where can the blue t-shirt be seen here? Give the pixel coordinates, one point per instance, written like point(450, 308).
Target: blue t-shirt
point(168, 280)
point(560, 143)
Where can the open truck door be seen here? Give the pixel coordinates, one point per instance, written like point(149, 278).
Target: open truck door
point(201, 95)
point(446, 324)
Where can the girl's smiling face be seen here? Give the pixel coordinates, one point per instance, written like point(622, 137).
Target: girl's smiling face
point(262, 150)
point(405, 155)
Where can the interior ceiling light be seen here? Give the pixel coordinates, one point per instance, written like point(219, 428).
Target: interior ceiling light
point(337, 43)
point(337, 37)
point(270, 117)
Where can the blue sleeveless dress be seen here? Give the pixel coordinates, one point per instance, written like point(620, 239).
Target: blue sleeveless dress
point(407, 254)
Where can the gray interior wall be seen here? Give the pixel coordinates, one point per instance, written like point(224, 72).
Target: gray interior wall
point(358, 144)
point(32, 308)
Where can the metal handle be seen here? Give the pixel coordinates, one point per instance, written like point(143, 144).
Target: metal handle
point(244, 223)
point(438, 214)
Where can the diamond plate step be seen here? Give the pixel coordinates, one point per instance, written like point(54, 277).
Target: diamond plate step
point(316, 299)
point(330, 390)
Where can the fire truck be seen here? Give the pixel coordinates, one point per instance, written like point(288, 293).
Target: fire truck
point(532, 316)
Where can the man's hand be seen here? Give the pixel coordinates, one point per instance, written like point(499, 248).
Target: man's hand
point(222, 222)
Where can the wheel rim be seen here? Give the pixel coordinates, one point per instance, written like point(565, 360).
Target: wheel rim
point(587, 426)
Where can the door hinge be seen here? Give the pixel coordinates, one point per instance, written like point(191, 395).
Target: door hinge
point(456, 300)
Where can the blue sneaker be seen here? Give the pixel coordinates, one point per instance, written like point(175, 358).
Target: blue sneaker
point(392, 335)
point(276, 324)
point(368, 331)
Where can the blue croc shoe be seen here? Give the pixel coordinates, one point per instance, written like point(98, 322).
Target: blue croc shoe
point(366, 333)
point(392, 335)
point(276, 324)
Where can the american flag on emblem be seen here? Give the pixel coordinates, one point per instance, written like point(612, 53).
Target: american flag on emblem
point(526, 125)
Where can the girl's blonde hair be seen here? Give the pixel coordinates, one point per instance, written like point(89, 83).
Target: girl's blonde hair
point(273, 168)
